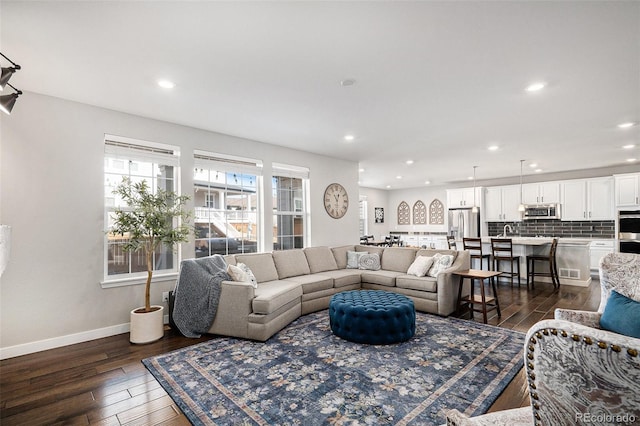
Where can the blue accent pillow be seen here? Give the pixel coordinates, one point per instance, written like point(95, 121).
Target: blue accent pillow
point(621, 315)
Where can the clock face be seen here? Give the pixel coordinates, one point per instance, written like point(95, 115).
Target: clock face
point(336, 200)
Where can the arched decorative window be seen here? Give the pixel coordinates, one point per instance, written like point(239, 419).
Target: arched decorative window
point(404, 214)
point(419, 213)
point(436, 212)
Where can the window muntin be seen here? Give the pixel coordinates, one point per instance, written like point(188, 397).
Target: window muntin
point(226, 199)
point(138, 160)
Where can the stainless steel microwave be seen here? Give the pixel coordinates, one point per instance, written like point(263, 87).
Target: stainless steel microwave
point(541, 211)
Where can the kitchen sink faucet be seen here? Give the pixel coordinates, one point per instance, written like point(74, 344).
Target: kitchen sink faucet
point(504, 230)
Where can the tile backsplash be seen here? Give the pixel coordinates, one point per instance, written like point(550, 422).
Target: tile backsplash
point(557, 228)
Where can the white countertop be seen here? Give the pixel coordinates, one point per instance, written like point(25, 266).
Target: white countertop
point(539, 241)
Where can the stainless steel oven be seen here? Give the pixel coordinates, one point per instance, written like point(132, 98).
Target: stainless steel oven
point(629, 231)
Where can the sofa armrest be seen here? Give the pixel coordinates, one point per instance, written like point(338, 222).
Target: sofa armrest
point(588, 318)
point(578, 372)
point(234, 309)
point(447, 284)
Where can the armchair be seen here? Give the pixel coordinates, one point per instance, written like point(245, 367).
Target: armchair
point(619, 272)
point(577, 375)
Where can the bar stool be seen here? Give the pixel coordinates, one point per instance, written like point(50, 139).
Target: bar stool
point(502, 250)
point(451, 242)
point(550, 260)
point(474, 245)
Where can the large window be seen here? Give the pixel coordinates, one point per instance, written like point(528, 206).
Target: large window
point(226, 196)
point(290, 222)
point(137, 160)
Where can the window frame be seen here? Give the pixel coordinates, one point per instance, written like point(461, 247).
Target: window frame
point(296, 172)
point(229, 164)
point(127, 149)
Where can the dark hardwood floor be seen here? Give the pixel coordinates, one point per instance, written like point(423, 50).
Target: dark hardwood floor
point(103, 381)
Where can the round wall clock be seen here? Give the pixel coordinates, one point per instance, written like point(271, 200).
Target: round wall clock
point(336, 200)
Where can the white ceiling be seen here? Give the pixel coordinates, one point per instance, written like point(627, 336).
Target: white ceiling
point(436, 82)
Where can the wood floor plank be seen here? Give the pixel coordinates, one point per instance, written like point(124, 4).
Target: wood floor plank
point(103, 381)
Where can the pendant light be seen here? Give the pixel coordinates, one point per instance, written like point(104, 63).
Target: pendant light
point(7, 72)
point(8, 101)
point(474, 209)
point(521, 206)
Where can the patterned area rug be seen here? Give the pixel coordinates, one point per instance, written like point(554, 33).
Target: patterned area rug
point(304, 375)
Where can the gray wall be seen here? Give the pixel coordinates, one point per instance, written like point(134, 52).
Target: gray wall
point(51, 194)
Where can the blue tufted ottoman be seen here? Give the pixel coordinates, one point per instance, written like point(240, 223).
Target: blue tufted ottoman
point(373, 317)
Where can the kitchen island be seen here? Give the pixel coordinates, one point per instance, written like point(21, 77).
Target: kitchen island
point(572, 257)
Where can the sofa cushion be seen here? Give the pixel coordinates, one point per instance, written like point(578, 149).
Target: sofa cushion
point(382, 277)
point(230, 259)
point(313, 282)
point(353, 258)
point(340, 255)
point(412, 282)
point(290, 263)
point(621, 315)
point(261, 264)
point(272, 295)
point(369, 261)
point(398, 259)
point(371, 249)
point(242, 273)
point(343, 277)
point(320, 259)
point(420, 266)
point(432, 252)
point(440, 263)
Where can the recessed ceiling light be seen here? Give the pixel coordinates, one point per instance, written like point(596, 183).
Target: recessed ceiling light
point(493, 148)
point(166, 84)
point(631, 160)
point(349, 138)
point(626, 125)
point(532, 165)
point(427, 182)
point(630, 146)
point(388, 186)
point(409, 162)
point(534, 87)
point(398, 177)
point(538, 170)
point(348, 82)
point(470, 178)
point(361, 170)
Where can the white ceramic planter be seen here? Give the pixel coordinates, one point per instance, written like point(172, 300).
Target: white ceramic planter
point(147, 327)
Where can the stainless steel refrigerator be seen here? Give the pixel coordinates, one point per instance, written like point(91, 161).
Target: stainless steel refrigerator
point(464, 223)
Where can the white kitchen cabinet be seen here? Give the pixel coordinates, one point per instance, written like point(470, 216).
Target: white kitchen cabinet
point(462, 197)
point(501, 204)
point(627, 189)
point(541, 193)
point(597, 250)
point(588, 199)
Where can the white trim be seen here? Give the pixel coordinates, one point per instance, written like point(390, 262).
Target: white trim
point(123, 282)
point(287, 170)
point(56, 342)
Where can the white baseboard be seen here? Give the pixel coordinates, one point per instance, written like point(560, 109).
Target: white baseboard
point(56, 342)
point(69, 339)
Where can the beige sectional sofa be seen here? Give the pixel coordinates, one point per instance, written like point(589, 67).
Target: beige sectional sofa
point(296, 282)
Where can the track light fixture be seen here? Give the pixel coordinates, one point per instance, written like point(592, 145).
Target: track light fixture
point(7, 72)
point(8, 101)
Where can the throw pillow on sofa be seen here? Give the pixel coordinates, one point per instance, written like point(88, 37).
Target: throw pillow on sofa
point(420, 266)
point(370, 262)
point(440, 263)
point(353, 258)
point(621, 315)
point(242, 273)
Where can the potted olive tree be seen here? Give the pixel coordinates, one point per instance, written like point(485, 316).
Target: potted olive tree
point(149, 221)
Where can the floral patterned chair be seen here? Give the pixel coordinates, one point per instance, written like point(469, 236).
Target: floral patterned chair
point(578, 373)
